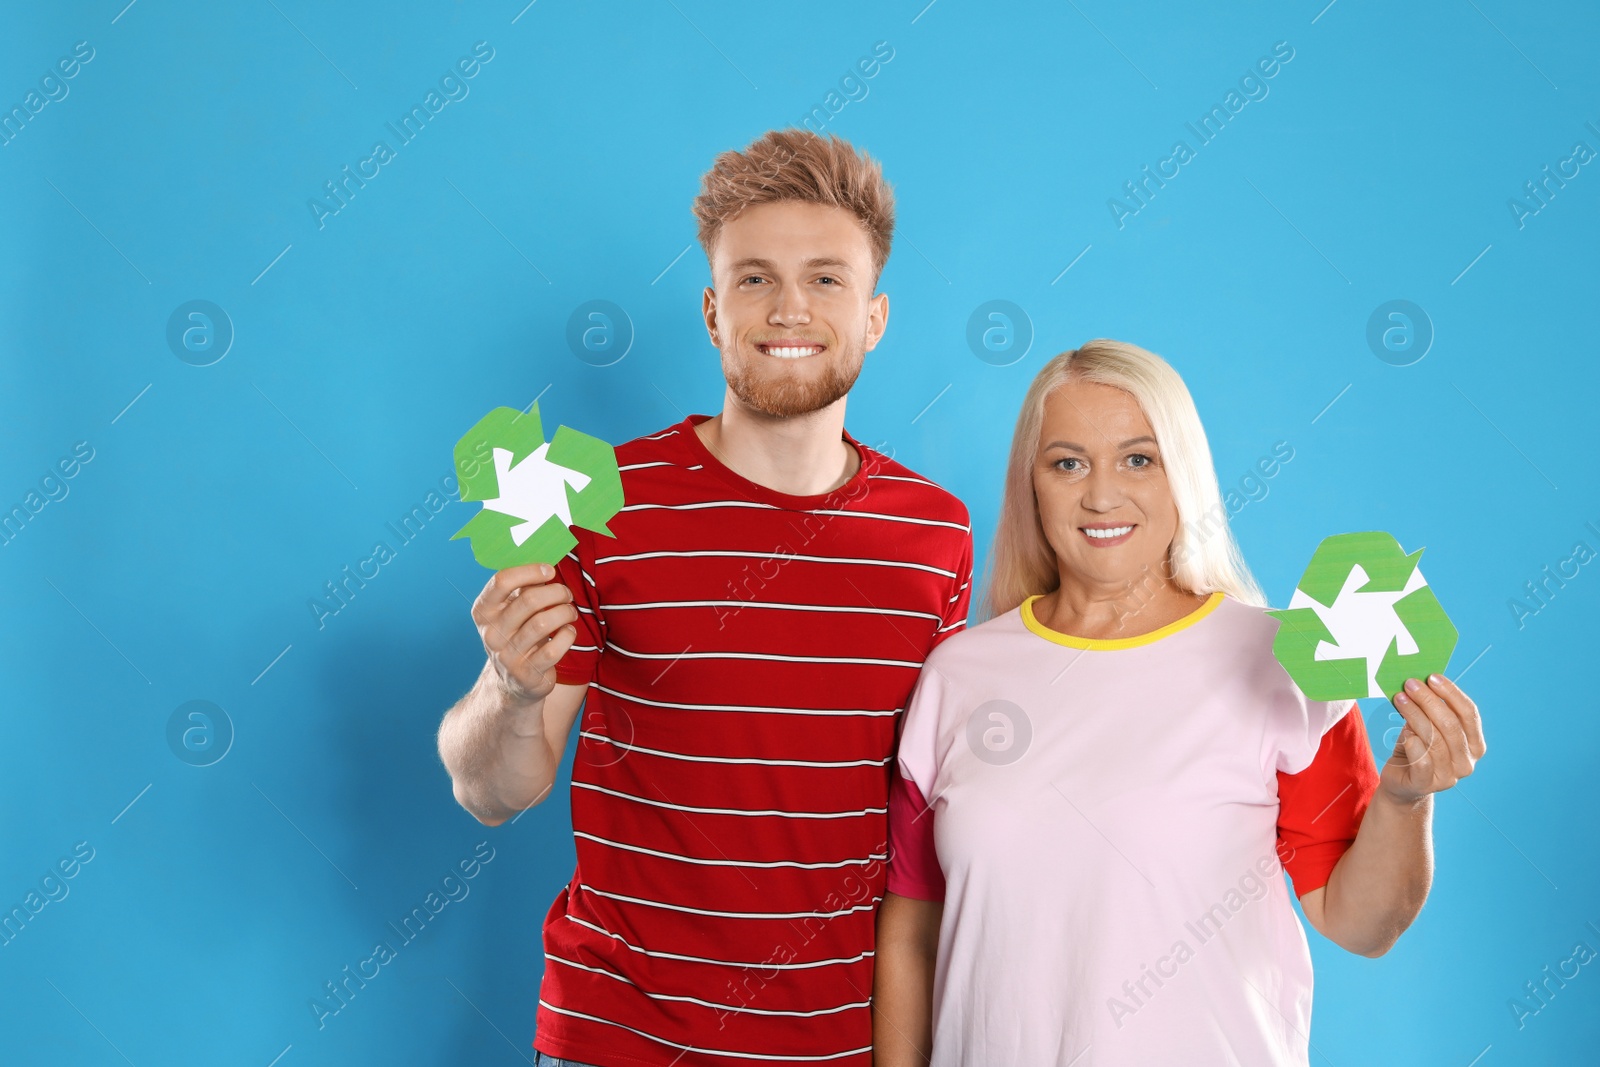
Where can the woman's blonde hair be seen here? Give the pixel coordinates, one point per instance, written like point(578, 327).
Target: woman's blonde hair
point(1204, 557)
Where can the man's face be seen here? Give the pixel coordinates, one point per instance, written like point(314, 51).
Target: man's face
point(791, 306)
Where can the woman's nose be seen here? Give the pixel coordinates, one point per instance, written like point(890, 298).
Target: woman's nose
point(1101, 491)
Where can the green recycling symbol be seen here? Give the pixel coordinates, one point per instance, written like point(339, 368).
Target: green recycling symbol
point(1362, 621)
point(533, 491)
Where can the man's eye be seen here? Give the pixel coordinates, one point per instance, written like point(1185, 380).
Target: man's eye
point(751, 278)
point(825, 278)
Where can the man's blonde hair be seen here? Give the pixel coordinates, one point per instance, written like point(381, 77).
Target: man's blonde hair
point(797, 164)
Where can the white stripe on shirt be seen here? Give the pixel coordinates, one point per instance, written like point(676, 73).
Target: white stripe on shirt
point(742, 707)
point(762, 655)
point(729, 759)
point(809, 965)
point(729, 1008)
point(868, 906)
point(733, 811)
point(700, 1048)
point(704, 862)
point(865, 609)
point(777, 555)
point(842, 512)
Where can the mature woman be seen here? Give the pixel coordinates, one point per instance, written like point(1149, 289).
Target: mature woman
point(1100, 787)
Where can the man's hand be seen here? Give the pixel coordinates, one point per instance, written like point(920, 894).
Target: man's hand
point(526, 622)
point(1440, 743)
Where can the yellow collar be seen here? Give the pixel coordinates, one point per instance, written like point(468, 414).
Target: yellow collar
point(1108, 644)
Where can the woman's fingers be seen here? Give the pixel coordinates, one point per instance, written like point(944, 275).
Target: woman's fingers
point(1448, 739)
point(1413, 750)
point(1417, 737)
point(1466, 711)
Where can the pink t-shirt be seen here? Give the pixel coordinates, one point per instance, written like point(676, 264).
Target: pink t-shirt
point(1106, 835)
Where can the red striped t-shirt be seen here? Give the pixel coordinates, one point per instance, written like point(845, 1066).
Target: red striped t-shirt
point(748, 654)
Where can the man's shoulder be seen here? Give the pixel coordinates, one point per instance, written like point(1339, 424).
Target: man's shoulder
point(916, 493)
point(653, 446)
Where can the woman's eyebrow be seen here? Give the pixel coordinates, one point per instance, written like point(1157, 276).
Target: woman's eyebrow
point(1074, 446)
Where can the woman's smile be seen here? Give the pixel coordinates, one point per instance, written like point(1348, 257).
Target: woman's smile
point(1104, 535)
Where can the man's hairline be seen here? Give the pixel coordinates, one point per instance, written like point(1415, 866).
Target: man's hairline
point(710, 248)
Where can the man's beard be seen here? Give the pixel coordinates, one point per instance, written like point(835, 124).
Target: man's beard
point(785, 396)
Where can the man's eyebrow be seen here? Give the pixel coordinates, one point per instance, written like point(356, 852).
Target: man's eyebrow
point(1074, 446)
point(815, 261)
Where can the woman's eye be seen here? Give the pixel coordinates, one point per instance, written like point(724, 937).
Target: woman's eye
point(1061, 463)
point(1139, 460)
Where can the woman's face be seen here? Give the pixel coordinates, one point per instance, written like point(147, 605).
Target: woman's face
point(1101, 484)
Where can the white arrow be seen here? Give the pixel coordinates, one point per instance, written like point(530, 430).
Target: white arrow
point(533, 490)
point(1363, 624)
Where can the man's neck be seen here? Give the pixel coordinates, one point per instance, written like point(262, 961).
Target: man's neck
point(805, 455)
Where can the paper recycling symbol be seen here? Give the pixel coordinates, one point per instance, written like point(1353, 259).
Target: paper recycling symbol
point(533, 491)
point(1362, 621)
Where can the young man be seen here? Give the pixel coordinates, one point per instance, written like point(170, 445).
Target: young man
point(746, 644)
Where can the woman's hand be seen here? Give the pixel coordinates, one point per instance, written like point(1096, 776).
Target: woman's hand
point(1379, 885)
point(1440, 743)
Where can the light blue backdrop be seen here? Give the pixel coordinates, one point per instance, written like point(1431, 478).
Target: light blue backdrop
point(179, 161)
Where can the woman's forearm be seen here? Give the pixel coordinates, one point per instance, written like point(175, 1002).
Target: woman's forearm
point(902, 983)
point(1379, 885)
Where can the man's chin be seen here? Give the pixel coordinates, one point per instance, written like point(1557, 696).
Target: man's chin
point(782, 396)
point(786, 403)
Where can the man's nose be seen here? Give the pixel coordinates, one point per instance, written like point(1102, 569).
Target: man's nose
point(790, 307)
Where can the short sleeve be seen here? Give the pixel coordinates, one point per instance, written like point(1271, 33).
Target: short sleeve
point(913, 864)
point(960, 602)
point(916, 765)
point(575, 571)
point(1320, 808)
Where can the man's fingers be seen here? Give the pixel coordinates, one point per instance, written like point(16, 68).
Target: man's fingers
point(1466, 711)
point(540, 658)
point(547, 655)
point(506, 584)
point(533, 632)
point(533, 601)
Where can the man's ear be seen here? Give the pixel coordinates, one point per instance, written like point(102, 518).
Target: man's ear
point(877, 320)
point(708, 310)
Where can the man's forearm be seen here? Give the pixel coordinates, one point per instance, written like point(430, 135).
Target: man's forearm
point(1379, 885)
point(496, 751)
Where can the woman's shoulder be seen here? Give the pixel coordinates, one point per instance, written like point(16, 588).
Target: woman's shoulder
point(1249, 623)
point(1252, 631)
point(975, 646)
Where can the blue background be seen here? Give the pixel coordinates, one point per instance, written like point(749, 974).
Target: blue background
point(181, 562)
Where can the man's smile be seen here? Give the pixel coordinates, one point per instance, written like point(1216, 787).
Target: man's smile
point(786, 348)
